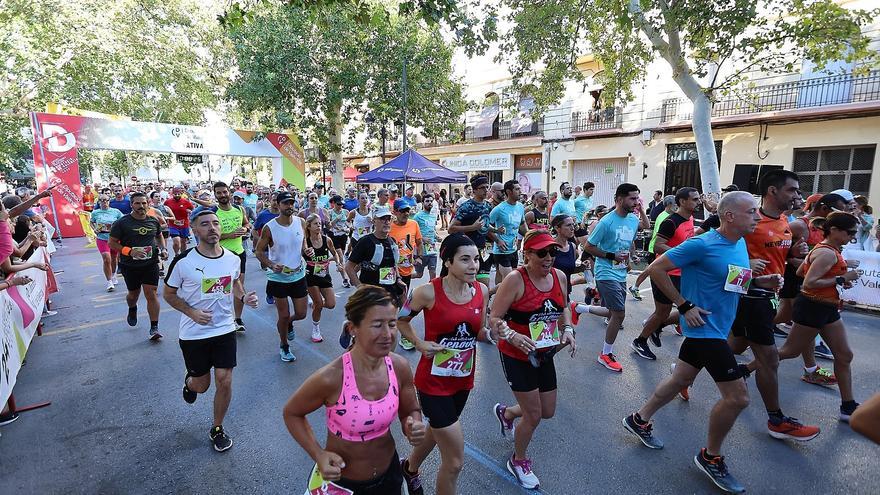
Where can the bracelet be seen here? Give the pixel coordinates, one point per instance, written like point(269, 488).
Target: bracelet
point(568, 328)
point(610, 256)
point(685, 307)
point(125, 251)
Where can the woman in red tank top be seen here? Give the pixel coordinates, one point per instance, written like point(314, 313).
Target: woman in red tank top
point(530, 320)
point(816, 307)
point(455, 316)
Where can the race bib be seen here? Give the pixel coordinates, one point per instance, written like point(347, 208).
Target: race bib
point(456, 363)
point(362, 231)
point(319, 486)
point(428, 247)
point(403, 261)
point(320, 269)
point(216, 287)
point(544, 333)
point(386, 276)
point(738, 279)
point(179, 223)
point(104, 227)
point(142, 252)
point(286, 270)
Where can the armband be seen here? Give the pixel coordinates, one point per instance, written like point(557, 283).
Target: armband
point(125, 251)
point(406, 311)
point(610, 256)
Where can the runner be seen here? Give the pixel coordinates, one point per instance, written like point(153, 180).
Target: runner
point(363, 391)
point(566, 260)
point(102, 219)
point(315, 208)
point(714, 273)
point(360, 220)
point(339, 230)
point(538, 218)
point(455, 314)
point(472, 220)
point(201, 284)
point(428, 228)
point(179, 229)
point(406, 234)
point(584, 202)
point(816, 309)
point(527, 313)
point(318, 280)
point(137, 237)
point(351, 199)
point(234, 226)
point(674, 230)
point(669, 206)
point(281, 248)
point(769, 246)
point(610, 243)
point(507, 220)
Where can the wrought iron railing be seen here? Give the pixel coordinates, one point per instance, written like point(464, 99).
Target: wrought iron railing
point(500, 130)
point(596, 119)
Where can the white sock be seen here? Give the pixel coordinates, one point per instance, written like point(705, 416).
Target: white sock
point(810, 369)
point(582, 308)
point(315, 324)
point(607, 348)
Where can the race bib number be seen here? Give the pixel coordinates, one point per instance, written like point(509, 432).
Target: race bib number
point(320, 270)
point(738, 279)
point(142, 252)
point(319, 486)
point(386, 276)
point(456, 363)
point(403, 261)
point(104, 228)
point(544, 333)
point(216, 287)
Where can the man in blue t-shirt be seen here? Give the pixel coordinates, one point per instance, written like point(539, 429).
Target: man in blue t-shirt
point(565, 204)
point(351, 199)
point(428, 228)
point(507, 219)
point(472, 220)
point(611, 242)
point(715, 273)
point(120, 201)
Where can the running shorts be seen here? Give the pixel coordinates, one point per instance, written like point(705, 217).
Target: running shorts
point(523, 377)
point(713, 354)
point(613, 294)
point(509, 260)
point(387, 483)
point(293, 290)
point(104, 247)
point(754, 320)
point(428, 261)
point(659, 296)
point(814, 314)
point(443, 410)
point(136, 276)
point(214, 352)
point(319, 282)
point(179, 232)
point(339, 241)
point(791, 283)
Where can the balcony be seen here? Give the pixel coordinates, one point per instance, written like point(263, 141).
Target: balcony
point(596, 120)
point(794, 95)
point(501, 130)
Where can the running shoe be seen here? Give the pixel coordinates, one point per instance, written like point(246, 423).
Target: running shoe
point(413, 481)
point(270, 300)
point(790, 428)
point(678, 330)
point(684, 394)
point(507, 425)
point(642, 349)
point(110, 286)
point(716, 470)
point(522, 470)
point(287, 356)
point(634, 291)
point(785, 326)
point(344, 339)
point(188, 395)
point(819, 376)
point(132, 317)
point(644, 432)
point(11, 416)
point(655, 337)
point(291, 334)
point(846, 410)
point(346, 284)
point(220, 439)
point(608, 361)
point(405, 344)
point(239, 326)
point(823, 352)
point(316, 334)
point(114, 279)
point(575, 316)
point(778, 332)
point(154, 334)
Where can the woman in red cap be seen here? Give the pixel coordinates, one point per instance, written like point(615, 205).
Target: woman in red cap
point(530, 321)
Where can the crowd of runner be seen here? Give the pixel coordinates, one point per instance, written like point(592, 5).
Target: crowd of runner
point(752, 271)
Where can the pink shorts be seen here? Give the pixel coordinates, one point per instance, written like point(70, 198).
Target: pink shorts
point(104, 247)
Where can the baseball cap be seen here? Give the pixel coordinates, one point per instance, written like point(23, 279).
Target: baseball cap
point(283, 196)
point(393, 188)
point(540, 241)
point(318, 186)
point(497, 186)
point(238, 194)
point(811, 200)
point(730, 188)
point(843, 193)
point(381, 211)
point(336, 199)
point(400, 204)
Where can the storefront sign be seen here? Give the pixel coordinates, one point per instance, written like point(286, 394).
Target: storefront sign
point(531, 161)
point(478, 163)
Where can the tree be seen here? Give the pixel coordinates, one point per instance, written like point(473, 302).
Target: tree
point(316, 71)
point(719, 42)
point(147, 59)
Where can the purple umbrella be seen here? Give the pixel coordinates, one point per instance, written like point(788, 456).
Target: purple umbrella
point(411, 167)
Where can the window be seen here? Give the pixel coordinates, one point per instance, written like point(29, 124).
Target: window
point(746, 177)
point(823, 170)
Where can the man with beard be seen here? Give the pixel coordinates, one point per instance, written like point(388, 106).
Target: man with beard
point(472, 220)
point(234, 226)
point(538, 217)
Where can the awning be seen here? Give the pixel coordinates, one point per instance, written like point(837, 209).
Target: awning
point(411, 167)
point(350, 174)
point(523, 121)
point(485, 122)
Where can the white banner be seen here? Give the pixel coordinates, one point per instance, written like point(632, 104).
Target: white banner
point(478, 163)
point(20, 310)
point(865, 290)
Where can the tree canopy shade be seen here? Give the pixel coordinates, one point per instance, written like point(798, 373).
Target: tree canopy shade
point(317, 70)
point(152, 60)
point(709, 45)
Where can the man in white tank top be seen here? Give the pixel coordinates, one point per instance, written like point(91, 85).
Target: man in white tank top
point(280, 249)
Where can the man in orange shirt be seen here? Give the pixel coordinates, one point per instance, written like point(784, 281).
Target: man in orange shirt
point(409, 242)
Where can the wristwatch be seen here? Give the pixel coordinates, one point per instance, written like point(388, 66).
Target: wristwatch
point(839, 280)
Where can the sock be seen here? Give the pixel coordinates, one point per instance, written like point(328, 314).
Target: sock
point(286, 347)
point(315, 323)
point(847, 403)
point(707, 456)
point(154, 324)
point(777, 414)
point(811, 369)
point(607, 348)
point(582, 308)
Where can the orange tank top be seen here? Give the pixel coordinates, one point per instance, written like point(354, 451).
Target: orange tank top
point(771, 241)
point(827, 295)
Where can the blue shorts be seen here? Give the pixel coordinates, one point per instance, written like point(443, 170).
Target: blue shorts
point(179, 232)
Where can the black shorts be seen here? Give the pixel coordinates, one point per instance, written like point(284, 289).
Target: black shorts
point(135, 276)
point(339, 241)
point(523, 377)
point(443, 410)
point(319, 282)
point(243, 264)
point(754, 320)
point(293, 290)
point(387, 483)
point(166, 234)
point(509, 260)
point(203, 354)
point(791, 283)
point(659, 296)
point(713, 354)
point(485, 265)
point(815, 314)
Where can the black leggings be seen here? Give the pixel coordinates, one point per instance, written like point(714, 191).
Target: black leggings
point(387, 483)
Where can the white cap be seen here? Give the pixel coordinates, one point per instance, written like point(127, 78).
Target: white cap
point(382, 211)
point(843, 193)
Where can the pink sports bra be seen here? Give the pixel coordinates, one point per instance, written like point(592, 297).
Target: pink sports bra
point(356, 419)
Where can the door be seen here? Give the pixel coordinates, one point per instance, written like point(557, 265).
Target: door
point(607, 174)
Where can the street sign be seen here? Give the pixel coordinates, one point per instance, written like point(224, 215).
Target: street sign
point(332, 167)
point(191, 159)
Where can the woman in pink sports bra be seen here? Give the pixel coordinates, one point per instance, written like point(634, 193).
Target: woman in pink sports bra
point(364, 391)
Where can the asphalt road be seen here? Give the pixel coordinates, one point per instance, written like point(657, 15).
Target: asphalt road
point(117, 423)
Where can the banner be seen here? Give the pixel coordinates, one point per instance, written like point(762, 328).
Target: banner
point(865, 290)
point(291, 168)
point(58, 146)
point(20, 310)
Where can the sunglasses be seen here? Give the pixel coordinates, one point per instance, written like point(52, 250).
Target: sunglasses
point(542, 253)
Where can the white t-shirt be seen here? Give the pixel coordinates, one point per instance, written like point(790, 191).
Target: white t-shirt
point(205, 283)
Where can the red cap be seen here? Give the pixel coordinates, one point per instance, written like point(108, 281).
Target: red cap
point(811, 200)
point(540, 241)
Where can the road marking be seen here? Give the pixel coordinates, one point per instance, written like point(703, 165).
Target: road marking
point(88, 263)
point(89, 325)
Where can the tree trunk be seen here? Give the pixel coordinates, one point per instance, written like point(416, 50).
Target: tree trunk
point(335, 134)
point(702, 126)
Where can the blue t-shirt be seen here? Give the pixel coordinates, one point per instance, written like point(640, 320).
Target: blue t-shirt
point(104, 220)
point(411, 201)
point(324, 201)
point(564, 206)
point(508, 216)
point(350, 204)
point(470, 212)
point(613, 234)
point(582, 205)
point(263, 218)
point(713, 269)
point(428, 228)
point(250, 200)
point(123, 205)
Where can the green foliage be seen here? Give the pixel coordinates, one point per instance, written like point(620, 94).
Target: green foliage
point(113, 165)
